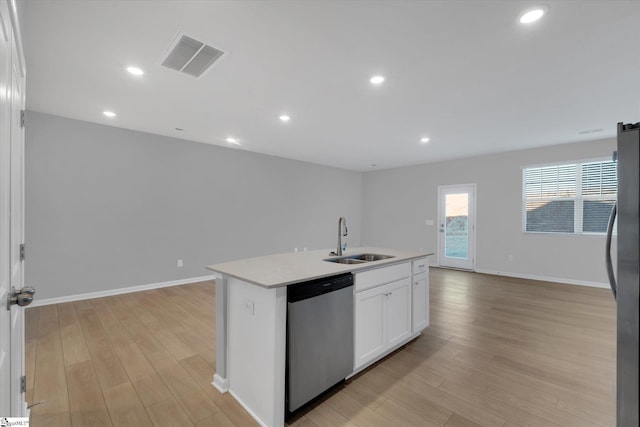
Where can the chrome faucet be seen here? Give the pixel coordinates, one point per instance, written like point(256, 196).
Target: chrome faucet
point(342, 231)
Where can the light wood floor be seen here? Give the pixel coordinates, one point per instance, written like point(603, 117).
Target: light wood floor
point(499, 352)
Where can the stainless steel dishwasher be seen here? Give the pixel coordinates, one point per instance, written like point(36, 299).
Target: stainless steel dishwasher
point(319, 337)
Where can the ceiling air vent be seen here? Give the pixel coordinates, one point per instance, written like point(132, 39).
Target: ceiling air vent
point(190, 56)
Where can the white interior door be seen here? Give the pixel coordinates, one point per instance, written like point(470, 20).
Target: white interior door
point(457, 226)
point(18, 405)
point(5, 207)
point(12, 80)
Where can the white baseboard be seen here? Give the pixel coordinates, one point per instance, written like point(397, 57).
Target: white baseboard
point(545, 278)
point(221, 384)
point(110, 292)
point(246, 408)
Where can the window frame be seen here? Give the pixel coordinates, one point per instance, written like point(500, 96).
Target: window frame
point(578, 199)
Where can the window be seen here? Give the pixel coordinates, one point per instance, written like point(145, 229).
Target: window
point(572, 198)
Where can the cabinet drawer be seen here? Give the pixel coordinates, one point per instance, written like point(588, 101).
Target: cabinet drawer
point(420, 265)
point(381, 276)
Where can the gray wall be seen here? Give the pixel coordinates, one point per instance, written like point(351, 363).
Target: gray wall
point(108, 208)
point(397, 202)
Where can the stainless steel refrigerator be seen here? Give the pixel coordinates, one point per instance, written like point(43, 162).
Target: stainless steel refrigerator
point(625, 281)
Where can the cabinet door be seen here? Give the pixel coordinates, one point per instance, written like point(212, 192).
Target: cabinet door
point(370, 318)
point(398, 296)
point(420, 312)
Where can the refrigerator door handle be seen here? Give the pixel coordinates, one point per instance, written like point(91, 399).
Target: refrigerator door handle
point(610, 273)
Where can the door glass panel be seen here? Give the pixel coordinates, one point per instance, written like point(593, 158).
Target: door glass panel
point(456, 241)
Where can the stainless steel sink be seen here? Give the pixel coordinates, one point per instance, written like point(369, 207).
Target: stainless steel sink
point(370, 257)
point(345, 260)
point(358, 259)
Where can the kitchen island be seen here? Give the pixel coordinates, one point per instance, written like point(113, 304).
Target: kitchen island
point(390, 300)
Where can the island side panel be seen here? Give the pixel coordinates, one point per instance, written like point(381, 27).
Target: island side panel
point(220, 379)
point(256, 349)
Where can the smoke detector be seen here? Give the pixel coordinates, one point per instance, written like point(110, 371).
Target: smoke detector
point(188, 55)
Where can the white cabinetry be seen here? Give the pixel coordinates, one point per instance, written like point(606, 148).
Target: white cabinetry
point(398, 312)
point(420, 295)
point(382, 311)
point(420, 266)
point(369, 325)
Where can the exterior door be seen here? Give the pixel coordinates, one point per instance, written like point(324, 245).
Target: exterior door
point(12, 402)
point(456, 216)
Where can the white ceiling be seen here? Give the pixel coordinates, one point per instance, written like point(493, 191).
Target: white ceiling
point(465, 73)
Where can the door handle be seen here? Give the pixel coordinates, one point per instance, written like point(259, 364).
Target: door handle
point(23, 297)
point(609, 263)
point(28, 290)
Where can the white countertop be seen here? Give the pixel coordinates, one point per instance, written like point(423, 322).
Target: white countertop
point(295, 267)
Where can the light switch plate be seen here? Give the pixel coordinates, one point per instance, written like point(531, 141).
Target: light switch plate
point(249, 306)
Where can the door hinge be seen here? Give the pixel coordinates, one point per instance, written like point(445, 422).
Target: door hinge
point(22, 118)
point(23, 384)
point(22, 252)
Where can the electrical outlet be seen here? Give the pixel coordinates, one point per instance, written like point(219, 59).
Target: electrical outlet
point(180, 264)
point(510, 258)
point(428, 222)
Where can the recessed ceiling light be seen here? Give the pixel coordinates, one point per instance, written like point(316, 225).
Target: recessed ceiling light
point(376, 80)
point(424, 140)
point(135, 71)
point(285, 118)
point(532, 15)
point(109, 114)
point(232, 140)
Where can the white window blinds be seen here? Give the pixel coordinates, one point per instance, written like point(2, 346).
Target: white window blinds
point(572, 198)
